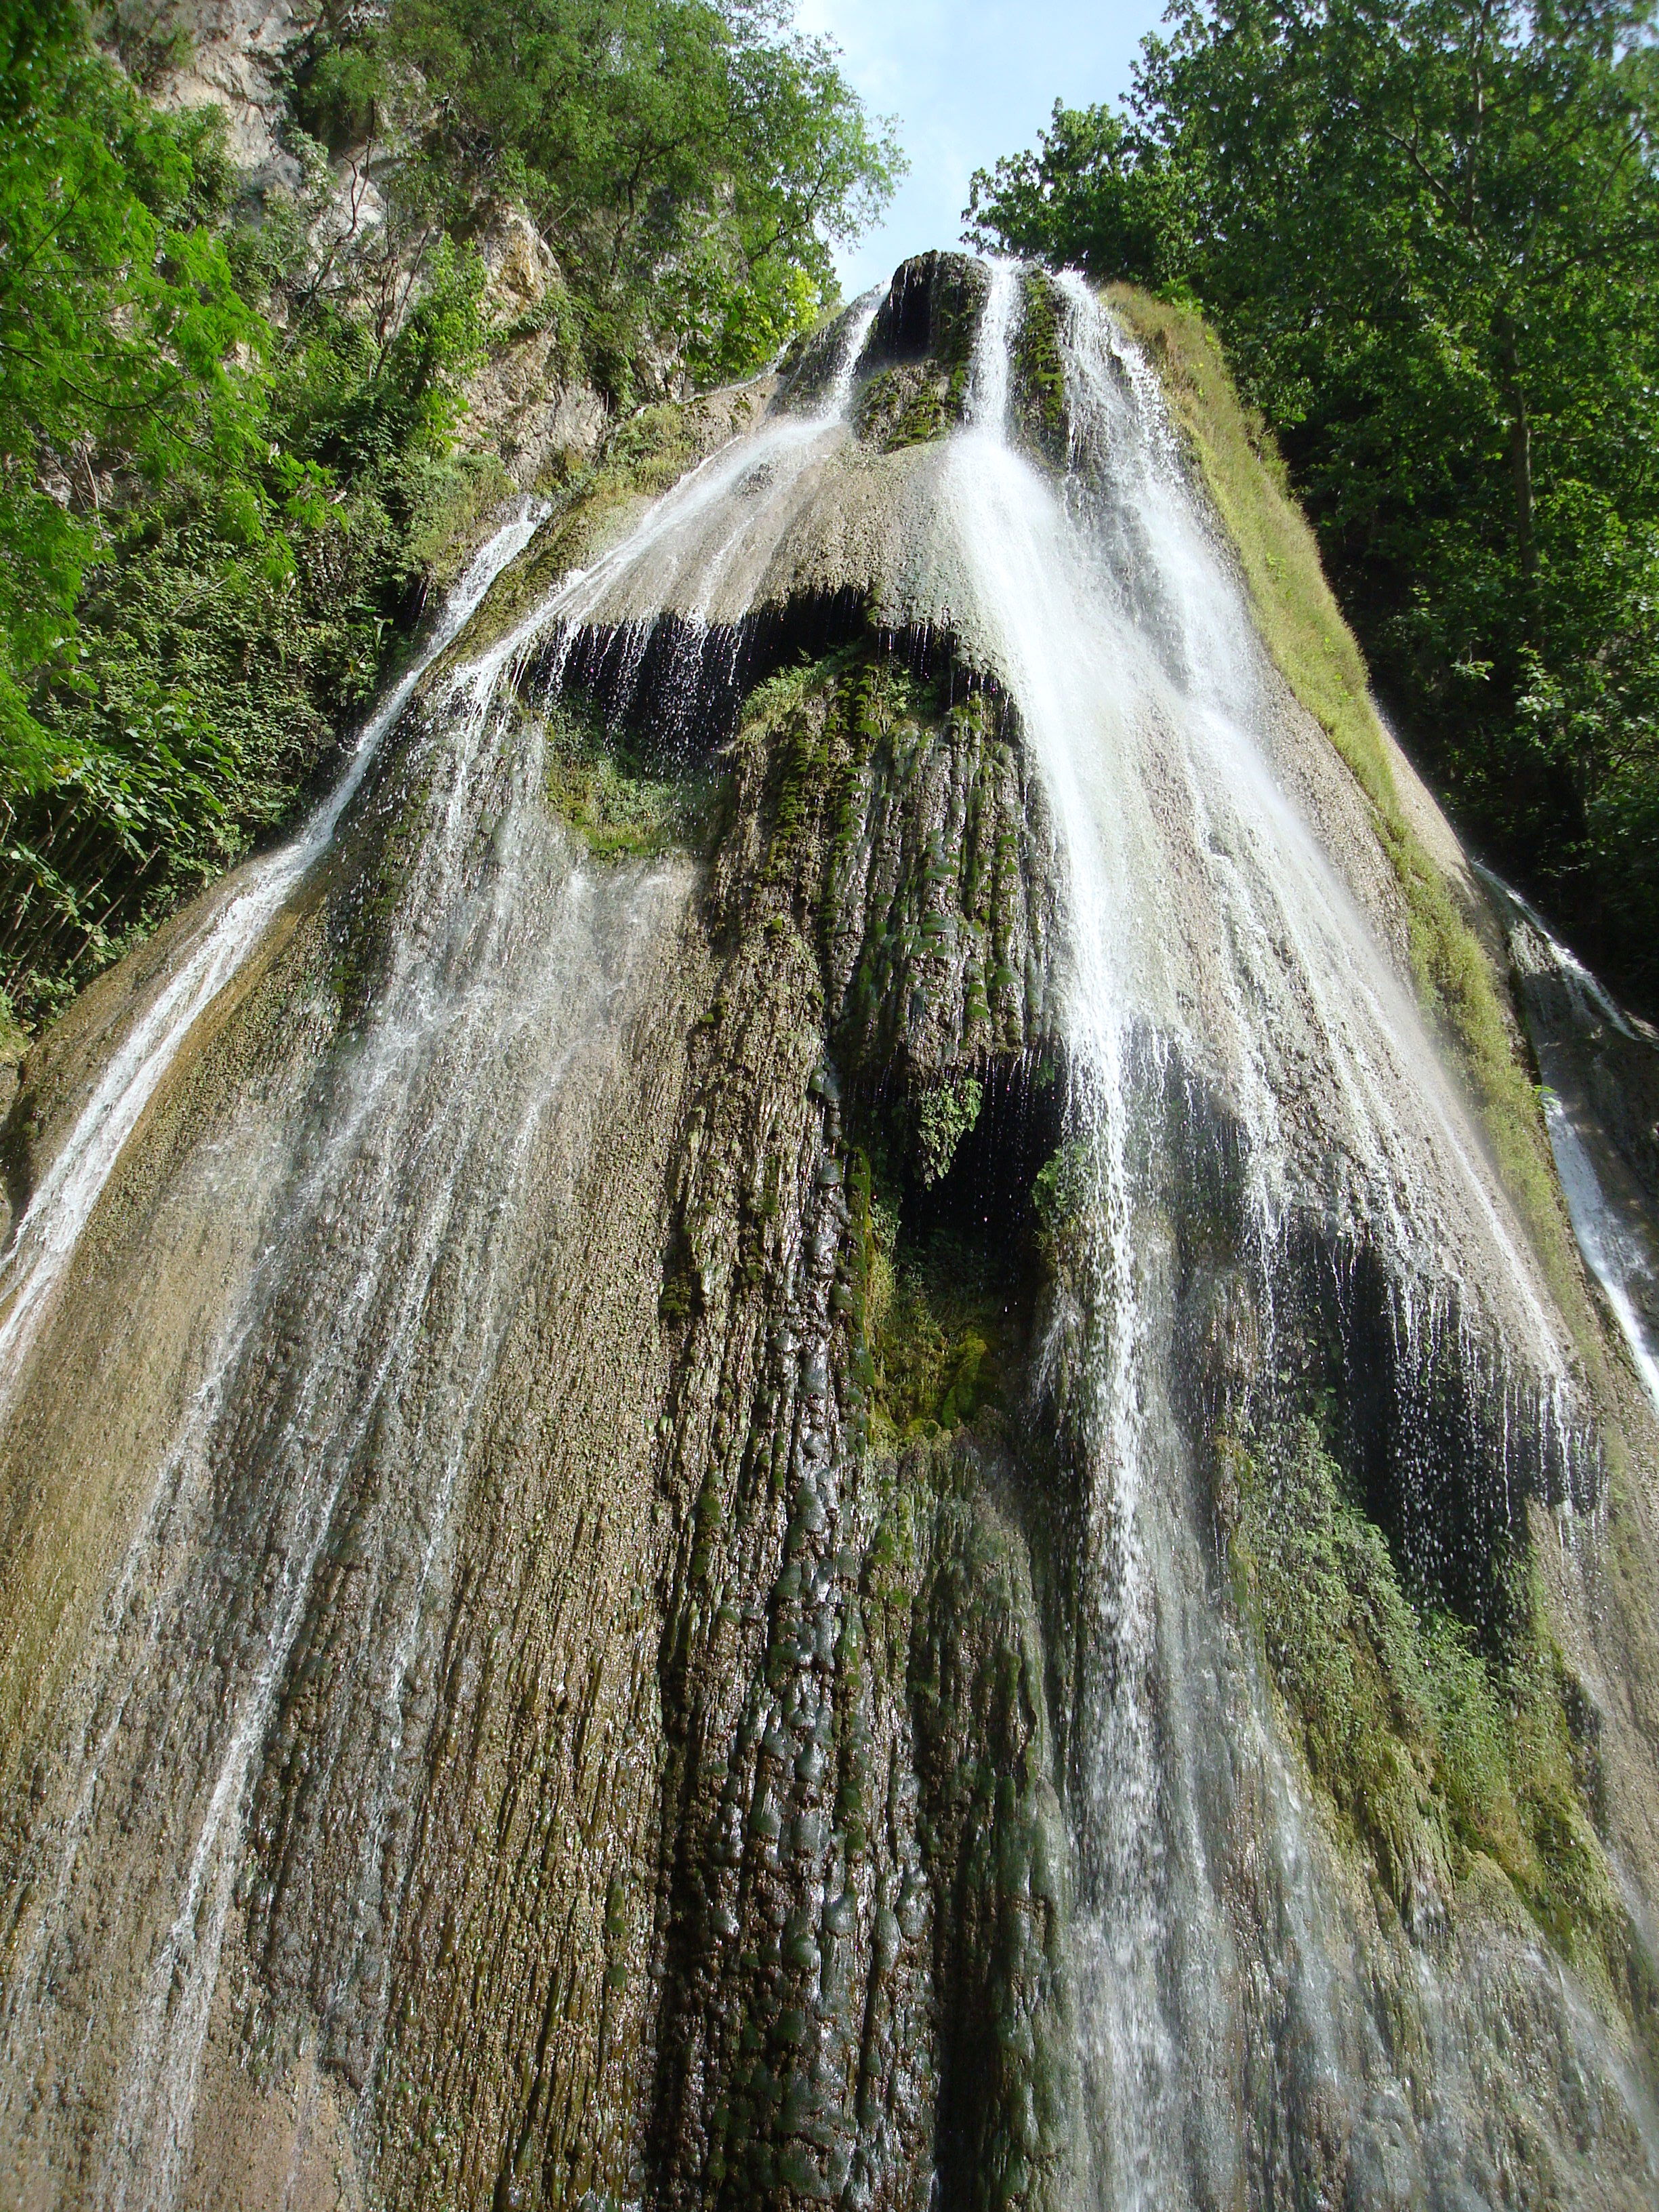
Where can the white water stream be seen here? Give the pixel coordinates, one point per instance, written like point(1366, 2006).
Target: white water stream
point(1209, 933)
point(1569, 1012)
point(1213, 949)
point(1204, 908)
point(50, 1227)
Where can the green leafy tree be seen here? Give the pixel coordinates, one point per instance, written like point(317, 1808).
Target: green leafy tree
point(226, 449)
point(211, 470)
point(1427, 232)
point(692, 161)
point(119, 325)
point(1088, 197)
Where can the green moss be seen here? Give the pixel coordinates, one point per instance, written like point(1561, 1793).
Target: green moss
point(680, 1297)
point(877, 692)
point(1059, 1199)
point(803, 764)
point(908, 405)
point(1303, 629)
point(1433, 1754)
point(944, 1115)
point(1039, 370)
point(708, 1517)
point(621, 810)
point(930, 1321)
point(959, 291)
point(857, 757)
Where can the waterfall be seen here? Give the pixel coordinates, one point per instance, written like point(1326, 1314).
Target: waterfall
point(44, 1239)
point(344, 1386)
point(1210, 942)
point(1569, 1016)
point(265, 1669)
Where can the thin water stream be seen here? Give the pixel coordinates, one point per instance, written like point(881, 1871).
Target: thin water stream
point(47, 1233)
point(1572, 1022)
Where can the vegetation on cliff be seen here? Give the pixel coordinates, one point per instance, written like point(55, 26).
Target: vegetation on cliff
point(228, 419)
point(1425, 232)
point(689, 161)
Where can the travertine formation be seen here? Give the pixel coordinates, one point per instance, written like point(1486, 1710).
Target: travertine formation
point(575, 1627)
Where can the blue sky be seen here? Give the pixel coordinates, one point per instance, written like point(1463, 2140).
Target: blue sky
point(968, 80)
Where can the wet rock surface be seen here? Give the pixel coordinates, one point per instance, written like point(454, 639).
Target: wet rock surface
point(584, 1622)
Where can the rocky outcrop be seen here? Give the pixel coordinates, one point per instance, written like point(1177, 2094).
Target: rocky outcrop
point(233, 55)
point(528, 406)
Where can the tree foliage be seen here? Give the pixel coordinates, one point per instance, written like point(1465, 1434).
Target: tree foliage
point(1427, 232)
point(208, 472)
point(691, 161)
point(119, 318)
point(227, 422)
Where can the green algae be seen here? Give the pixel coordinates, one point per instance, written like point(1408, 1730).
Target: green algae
point(1039, 369)
point(597, 782)
point(1440, 1758)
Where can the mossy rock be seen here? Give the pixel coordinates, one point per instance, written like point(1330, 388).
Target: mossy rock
point(1437, 1757)
point(1039, 370)
point(931, 312)
point(909, 404)
point(619, 808)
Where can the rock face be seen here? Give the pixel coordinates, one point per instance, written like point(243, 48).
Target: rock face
point(683, 1532)
point(526, 406)
point(232, 55)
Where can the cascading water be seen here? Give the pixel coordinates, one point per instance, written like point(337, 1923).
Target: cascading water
point(344, 1384)
point(1572, 1020)
point(310, 1779)
point(45, 1237)
point(1208, 932)
point(1201, 903)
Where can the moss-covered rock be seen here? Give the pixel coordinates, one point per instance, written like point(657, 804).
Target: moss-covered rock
point(920, 351)
point(1038, 380)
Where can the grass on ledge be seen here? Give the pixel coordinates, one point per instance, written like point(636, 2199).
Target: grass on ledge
point(1303, 629)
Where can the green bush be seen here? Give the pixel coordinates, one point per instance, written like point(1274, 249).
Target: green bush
point(225, 454)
